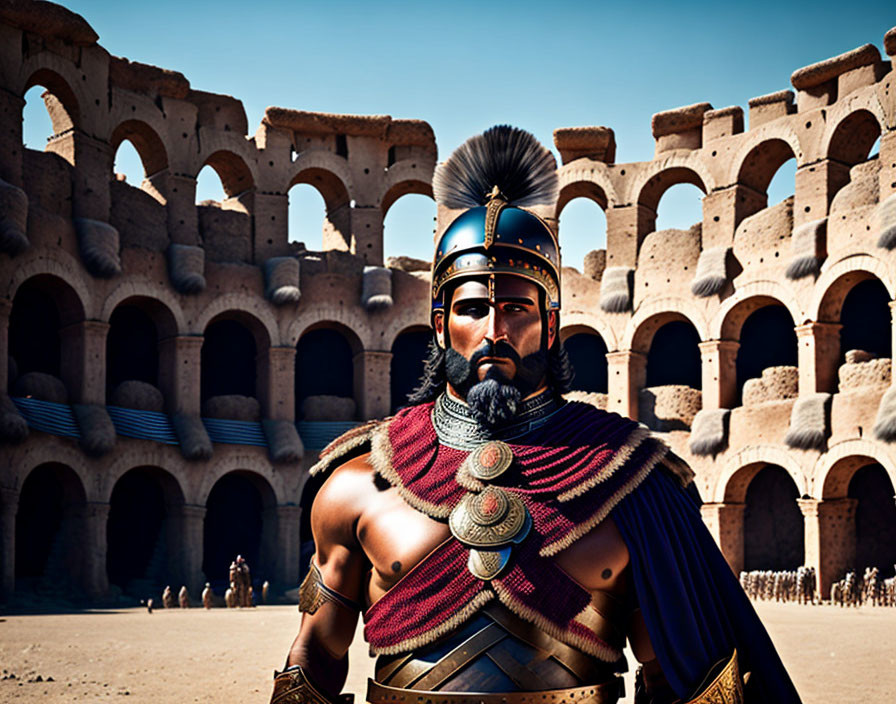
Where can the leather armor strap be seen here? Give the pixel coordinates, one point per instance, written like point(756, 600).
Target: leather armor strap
point(497, 637)
point(313, 593)
point(606, 693)
point(292, 686)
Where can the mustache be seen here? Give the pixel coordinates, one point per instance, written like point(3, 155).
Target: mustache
point(501, 348)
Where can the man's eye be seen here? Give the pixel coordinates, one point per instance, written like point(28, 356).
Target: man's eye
point(474, 310)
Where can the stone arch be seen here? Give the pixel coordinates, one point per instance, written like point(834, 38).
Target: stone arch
point(743, 465)
point(252, 309)
point(729, 318)
point(650, 191)
point(836, 281)
point(346, 319)
point(579, 322)
point(654, 313)
point(236, 176)
point(241, 518)
point(234, 354)
point(588, 378)
point(758, 167)
point(166, 307)
point(42, 307)
point(409, 350)
point(581, 189)
point(60, 266)
point(400, 181)
point(146, 141)
point(334, 189)
point(834, 469)
point(51, 530)
point(143, 530)
point(328, 354)
point(850, 139)
point(64, 108)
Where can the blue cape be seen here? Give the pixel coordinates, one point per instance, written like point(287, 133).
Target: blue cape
point(695, 610)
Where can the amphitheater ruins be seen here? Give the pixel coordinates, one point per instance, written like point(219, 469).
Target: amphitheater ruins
point(174, 368)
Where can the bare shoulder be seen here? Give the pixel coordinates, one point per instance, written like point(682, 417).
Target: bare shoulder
point(341, 501)
point(597, 559)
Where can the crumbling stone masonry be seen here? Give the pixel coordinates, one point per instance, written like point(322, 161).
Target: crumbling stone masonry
point(158, 411)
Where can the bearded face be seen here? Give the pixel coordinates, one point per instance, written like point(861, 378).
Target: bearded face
point(495, 347)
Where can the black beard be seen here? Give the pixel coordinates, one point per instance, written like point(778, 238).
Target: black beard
point(495, 399)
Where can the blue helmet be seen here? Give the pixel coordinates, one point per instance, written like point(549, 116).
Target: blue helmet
point(492, 176)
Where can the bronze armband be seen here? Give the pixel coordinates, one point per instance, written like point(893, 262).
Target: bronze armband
point(293, 687)
point(313, 593)
point(725, 685)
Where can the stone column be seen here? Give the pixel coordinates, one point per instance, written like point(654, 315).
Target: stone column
point(93, 159)
point(627, 373)
point(887, 163)
point(94, 578)
point(819, 352)
point(190, 543)
point(814, 187)
point(289, 545)
point(84, 361)
point(719, 373)
point(271, 225)
point(724, 209)
point(372, 383)
point(626, 227)
point(276, 383)
point(11, 147)
point(726, 524)
point(367, 234)
point(830, 539)
point(892, 305)
point(183, 219)
point(5, 310)
point(180, 363)
point(9, 506)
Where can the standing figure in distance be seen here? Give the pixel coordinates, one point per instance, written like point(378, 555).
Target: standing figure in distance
point(499, 539)
point(207, 596)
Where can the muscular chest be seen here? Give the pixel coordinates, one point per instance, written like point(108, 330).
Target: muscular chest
point(396, 537)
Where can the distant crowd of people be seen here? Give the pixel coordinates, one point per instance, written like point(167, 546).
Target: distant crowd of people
point(238, 595)
point(800, 586)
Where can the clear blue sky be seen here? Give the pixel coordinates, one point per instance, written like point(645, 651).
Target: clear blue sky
point(464, 66)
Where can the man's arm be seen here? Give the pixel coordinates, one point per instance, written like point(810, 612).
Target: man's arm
point(333, 594)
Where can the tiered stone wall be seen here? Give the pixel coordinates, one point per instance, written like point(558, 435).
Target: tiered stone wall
point(72, 232)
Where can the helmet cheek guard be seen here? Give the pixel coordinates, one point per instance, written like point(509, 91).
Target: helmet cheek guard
point(497, 239)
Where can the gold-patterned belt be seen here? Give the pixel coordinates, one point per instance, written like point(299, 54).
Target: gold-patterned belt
point(605, 693)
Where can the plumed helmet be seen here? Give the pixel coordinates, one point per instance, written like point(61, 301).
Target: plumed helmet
point(494, 177)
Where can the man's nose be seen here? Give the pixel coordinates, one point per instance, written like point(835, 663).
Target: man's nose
point(496, 329)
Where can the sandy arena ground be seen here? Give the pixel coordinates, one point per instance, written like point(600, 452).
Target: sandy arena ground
point(834, 655)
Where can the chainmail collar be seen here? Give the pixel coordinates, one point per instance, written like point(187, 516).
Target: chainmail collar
point(456, 426)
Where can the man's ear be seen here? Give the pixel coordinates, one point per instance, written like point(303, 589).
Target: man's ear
point(552, 328)
point(438, 323)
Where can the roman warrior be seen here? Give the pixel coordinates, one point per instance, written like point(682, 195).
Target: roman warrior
point(501, 542)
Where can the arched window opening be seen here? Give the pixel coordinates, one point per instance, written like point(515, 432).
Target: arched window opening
point(324, 377)
point(767, 339)
point(875, 519)
point(34, 322)
point(854, 138)
point(132, 349)
point(50, 531)
point(671, 397)
point(674, 356)
point(681, 207)
point(874, 152)
point(228, 360)
point(409, 227)
point(307, 216)
point(127, 165)
point(209, 188)
point(866, 319)
point(583, 228)
point(782, 185)
point(408, 354)
point(773, 523)
point(37, 127)
point(240, 520)
point(588, 355)
point(138, 531)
